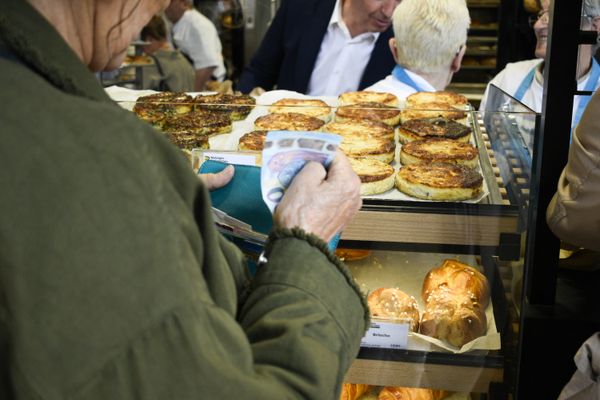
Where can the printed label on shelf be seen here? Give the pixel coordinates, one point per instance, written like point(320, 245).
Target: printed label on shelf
point(386, 335)
point(230, 158)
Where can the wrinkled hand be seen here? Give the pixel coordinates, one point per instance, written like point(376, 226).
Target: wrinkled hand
point(321, 202)
point(218, 180)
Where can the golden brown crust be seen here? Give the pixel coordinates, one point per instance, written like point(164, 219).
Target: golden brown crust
point(455, 296)
point(394, 303)
point(366, 96)
point(425, 128)
point(237, 105)
point(457, 100)
point(432, 110)
point(208, 123)
point(188, 141)
point(253, 141)
point(441, 175)
point(406, 393)
point(311, 107)
point(439, 150)
point(288, 121)
point(352, 391)
point(367, 146)
point(457, 277)
point(169, 102)
point(371, 170)
point(370, 111)
point(372, 128)
point(453, 317)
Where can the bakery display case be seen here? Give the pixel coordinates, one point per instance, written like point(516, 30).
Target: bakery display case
point(397, 239)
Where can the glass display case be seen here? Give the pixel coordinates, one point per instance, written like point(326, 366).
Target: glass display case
point(396, 239)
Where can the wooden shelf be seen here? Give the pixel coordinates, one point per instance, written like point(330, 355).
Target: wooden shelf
point(436, 376)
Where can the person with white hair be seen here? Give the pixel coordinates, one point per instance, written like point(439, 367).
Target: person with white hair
point(428, 45)
point(524, 80)
point(196, 37)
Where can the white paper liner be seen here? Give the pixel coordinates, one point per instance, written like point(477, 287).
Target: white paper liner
point(406, 271)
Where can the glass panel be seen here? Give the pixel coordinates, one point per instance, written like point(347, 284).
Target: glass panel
point(473, 243)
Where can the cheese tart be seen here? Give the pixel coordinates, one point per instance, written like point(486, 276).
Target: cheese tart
point(288, 121)
point(366, 96)
point(352, 127)
point(311, 107)
point(427, 128)
point(439, 150)
point(375, 176)
point(370, 111)
point(439, 181)
point(238, 106)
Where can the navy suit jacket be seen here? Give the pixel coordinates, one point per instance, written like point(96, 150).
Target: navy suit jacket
point(289, 50)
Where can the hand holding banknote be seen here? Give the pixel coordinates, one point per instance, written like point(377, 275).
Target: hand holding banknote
point(318, 201)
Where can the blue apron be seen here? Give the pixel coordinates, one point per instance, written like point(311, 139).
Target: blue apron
point(589, 87)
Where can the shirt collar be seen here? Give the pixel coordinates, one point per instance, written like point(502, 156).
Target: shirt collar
point(336, 20)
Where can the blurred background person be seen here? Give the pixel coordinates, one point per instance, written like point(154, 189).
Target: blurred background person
point(172, 71)
point(197, 38)
point(573, 215)
point(115, 283)
point(323, 47)
point(524, 80)
point(428, 46)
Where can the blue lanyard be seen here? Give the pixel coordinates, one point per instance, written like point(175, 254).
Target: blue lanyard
point(525, 84)
point(589, 87)
point(400, 74)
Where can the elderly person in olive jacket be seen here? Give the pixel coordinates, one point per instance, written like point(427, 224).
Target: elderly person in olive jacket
point(114, 282)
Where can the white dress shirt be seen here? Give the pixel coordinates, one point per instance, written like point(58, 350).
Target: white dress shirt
point(196, 36)
point(342, 59)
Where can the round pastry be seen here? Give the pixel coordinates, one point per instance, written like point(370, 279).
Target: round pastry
point(439, 150)
point(393, 303)
point(288, 121)
point(366, 96)
point(416, 100)
point(170, 102)
point(152, 113)
point(365, 126)
point(375, 176)
point(426, 128)
point(238, 106)
point(188, 141)
point(199, 122)
point(433, 110)
point(439, 181)
point(371, 111)
point(311, 107)
point(253, 141)
point(363, 145)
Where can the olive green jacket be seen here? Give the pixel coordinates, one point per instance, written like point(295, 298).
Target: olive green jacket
point(114, 283)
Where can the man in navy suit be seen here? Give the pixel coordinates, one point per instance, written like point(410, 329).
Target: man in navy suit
point(324, 47)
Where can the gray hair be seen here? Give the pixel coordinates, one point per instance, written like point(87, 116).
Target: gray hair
point(591, 7)
point(429, 33)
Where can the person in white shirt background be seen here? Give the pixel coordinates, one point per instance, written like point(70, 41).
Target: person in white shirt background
point(524, 80)
point(428, 46)
point(196, 37)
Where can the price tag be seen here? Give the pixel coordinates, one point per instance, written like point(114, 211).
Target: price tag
point(386, 335)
